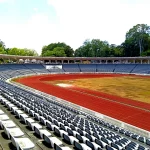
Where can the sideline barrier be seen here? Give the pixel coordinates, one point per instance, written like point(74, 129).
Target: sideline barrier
point(108, 119)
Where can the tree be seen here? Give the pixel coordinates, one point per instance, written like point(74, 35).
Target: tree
point(137, 39)
point(22, 52)
point(50, 50)
point(2, 47)
point(93, 48)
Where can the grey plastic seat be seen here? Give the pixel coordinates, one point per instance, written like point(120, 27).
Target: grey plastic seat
point(52, 140)
point(59, 132)
point(41, 132)
point(57, 147)
point(69, 139)
point(81, 146)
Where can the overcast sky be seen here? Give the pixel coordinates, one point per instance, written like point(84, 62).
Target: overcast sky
point(35, 23)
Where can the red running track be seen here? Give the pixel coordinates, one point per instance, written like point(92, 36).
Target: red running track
point(93, 100)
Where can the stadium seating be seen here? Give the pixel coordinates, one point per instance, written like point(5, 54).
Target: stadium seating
point(58, 125)
point(85, 132)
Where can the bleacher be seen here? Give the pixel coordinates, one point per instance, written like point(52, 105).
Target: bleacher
point(71, 68)
point(30, 121)
point(142, 69)
point(58, 126)
point(124, 68)
point(87, 67)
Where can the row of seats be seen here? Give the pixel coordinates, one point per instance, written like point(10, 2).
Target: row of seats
point(84, 132)
point(12, 70)
point(13, 132)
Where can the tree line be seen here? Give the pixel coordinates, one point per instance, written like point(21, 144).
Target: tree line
point(137, 43)
point(16, 51)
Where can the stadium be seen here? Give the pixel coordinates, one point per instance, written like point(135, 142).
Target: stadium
point(36, 114)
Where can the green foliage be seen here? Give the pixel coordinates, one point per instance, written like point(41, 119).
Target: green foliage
point(57, 50)
point(98, 48)
point(16, 51)
point(137, 40)
point(137, 43)
point(22, 52)
point(2, 47)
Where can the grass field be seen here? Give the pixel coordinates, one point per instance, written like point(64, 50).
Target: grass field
point(136, 88)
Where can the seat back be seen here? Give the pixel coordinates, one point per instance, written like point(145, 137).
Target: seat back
point(99, 143)
point(49, 126)
point(115, 146)
point(46, 139)
point(88, 143)
point(79, 137)
point(70, 132)
point(77, 146)
point(56, 147)
point(14, 142)
point(57, 131)
point(66, 138)
point(109, 148)
point(37, 131)
point(6, 132)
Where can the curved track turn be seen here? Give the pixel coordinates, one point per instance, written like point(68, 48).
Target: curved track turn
point(126, 110)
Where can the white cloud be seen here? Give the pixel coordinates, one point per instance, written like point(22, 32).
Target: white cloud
point(35, 9)
point(107, 20)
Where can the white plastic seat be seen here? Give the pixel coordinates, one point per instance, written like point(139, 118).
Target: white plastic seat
point(37, 125)
point(18, 112)
point(22, 143)
point(60, 132)
point(29, 120)
point(15, 132)
point(4, 117)
point(32, 112)
point(10, 105)
point(37, 116)
point(51, 126)
point(1, 112)
point(56, 147)
point(23, 117)
point(43, 120)
point(14, 108)
point(70, 139)
point(7, 124)
point(42, 132)
point(81, 146)
point(52, 140)
point(7, 102)
point(4, 100)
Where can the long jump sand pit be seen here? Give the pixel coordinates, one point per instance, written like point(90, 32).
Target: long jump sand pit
point(96, 98)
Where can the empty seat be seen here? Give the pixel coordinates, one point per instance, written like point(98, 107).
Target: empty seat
point(41, 132)
point(81, 146)
point(15, 132)
point(1, 112)
point(93, 145)
point(81, 138)
point(59, 132)
point(109, 148)
point(7, 124)
point(69, 139)
point(3, 117)
point(22, 143)
point(23, 117)
point(57, 147)
point(29, 121)
point(34, 124)
point(52, 140)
